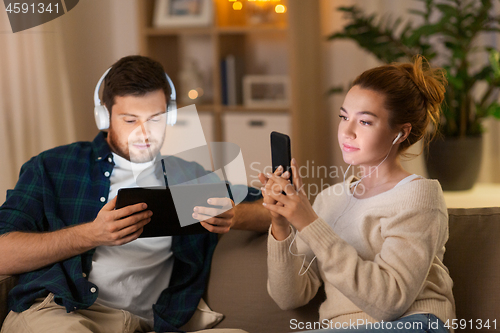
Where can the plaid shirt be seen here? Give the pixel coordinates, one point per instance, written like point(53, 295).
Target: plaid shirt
point(69, 185)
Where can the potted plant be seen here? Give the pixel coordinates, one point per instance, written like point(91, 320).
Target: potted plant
point(448, 37)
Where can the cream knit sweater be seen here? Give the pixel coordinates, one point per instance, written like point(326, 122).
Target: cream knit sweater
point(381, 260)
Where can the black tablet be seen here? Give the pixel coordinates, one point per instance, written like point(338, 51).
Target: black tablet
point(168, 217)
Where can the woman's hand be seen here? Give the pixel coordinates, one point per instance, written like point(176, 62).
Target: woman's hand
point(294, 206)
point(280, 226)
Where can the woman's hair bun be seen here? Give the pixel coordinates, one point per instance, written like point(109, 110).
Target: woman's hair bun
point(431, 82)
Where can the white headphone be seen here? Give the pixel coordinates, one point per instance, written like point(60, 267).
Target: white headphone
point(101, 113)
point(400, 134)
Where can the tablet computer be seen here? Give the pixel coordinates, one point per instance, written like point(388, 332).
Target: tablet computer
point(168, 217)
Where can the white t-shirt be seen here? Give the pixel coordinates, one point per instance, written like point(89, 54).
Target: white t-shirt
point(132, 276)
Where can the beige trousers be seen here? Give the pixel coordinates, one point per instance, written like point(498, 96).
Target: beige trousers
point(45, 316)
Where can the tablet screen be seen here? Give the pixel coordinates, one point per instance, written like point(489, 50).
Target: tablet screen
point(172, 207)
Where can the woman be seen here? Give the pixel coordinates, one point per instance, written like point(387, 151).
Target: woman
point(378, 240)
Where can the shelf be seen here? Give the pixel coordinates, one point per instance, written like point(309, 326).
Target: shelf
point(251, 29)
point(481, 195)
point(257, 29)
point(200, 107)
point(288, 44)
point(235, 108)
point(178, 31)
point(241, 108)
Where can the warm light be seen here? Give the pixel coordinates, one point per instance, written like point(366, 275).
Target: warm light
point(232, 0)
point(193, 94)
point(280, 9)
point(237, 5)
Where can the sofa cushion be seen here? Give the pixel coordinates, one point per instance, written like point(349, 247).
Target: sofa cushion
point(238, 287)
point(473, 258)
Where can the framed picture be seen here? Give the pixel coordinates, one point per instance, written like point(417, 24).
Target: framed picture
point(183, 13)
point(266, 91)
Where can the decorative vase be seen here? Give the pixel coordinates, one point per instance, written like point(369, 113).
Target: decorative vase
point(455, 162)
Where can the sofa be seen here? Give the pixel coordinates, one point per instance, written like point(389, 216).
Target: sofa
point(237, 283)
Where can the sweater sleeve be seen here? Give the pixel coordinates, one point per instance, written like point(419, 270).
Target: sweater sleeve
point(284, 281)
point(385, 287)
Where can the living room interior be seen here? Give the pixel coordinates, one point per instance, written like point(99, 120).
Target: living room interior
point(49, 72)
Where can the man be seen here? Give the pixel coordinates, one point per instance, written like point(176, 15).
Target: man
point(79, 259)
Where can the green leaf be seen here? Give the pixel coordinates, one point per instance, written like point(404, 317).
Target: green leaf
point(494, 58)
point(448, 10)
point(417, 12)
point(335, 90)
point(494, 110)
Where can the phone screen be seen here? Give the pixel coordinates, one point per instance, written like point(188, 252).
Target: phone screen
point(281, 152)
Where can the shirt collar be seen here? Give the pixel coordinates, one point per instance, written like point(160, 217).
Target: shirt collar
point(101, 148)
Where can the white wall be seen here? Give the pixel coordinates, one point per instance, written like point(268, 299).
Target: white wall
point(96, 34)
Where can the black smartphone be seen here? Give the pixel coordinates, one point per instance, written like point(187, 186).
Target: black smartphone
point(281, 152)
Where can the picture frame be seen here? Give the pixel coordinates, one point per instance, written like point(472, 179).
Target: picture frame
point(266, 91)
point(183, 13)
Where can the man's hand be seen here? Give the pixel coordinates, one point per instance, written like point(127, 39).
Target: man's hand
point(121, 226)
point(218, 220)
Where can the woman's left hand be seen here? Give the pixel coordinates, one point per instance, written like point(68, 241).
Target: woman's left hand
point(296, 207)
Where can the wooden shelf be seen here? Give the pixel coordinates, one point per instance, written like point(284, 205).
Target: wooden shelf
point(241, 108)
point(251, 29)
point(290, 45)
point(178, 31)
point(200, 107)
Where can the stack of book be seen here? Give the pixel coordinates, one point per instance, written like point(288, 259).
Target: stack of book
point(231, 77)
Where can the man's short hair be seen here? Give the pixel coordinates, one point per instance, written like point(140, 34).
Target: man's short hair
point(136, 76)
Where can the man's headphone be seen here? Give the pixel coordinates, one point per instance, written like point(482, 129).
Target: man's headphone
point(101, 113)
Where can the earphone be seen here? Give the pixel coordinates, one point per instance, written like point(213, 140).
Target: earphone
point(400, 134)
point(101, 113)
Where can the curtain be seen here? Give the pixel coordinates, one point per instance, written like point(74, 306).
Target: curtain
point(35, 104)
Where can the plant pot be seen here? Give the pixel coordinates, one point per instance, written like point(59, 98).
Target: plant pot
point(455, 162)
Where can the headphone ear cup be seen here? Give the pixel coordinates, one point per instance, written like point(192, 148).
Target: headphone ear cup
point(171, 113)
point(101, 115)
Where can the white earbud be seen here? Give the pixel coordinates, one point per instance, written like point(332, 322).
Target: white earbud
point(400, 134)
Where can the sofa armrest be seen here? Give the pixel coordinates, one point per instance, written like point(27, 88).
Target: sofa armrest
point(7, 282)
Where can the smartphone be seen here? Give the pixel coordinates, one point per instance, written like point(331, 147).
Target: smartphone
point(281, 152)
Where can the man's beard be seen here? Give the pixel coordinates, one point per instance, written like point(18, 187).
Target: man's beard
point(123, 149)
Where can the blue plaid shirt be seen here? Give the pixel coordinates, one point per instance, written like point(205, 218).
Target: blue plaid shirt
point(69, 185)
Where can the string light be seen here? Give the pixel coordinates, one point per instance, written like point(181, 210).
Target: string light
point(193, 94)
point(280, 9)
point(237, 5)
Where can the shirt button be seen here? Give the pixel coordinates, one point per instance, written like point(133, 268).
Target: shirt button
point(103, 199)
point(110, 160)
point(93, 290)
point(107, 174)
point(84, 275)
